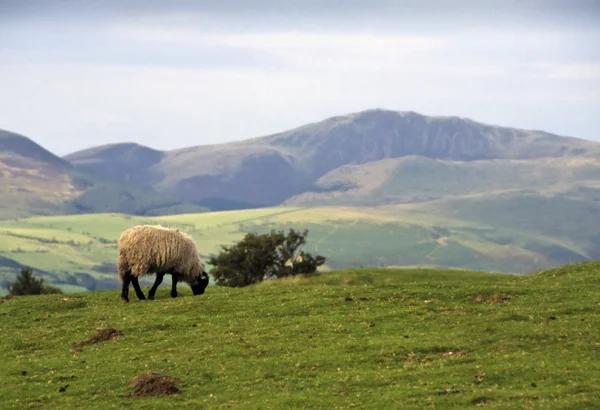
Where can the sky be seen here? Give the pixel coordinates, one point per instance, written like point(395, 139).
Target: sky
point(77, 73)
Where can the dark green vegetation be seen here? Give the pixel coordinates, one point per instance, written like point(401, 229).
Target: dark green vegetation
point(369, 338)
point(27, 284)
point(256, 257)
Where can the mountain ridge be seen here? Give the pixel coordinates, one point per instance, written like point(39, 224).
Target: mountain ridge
point(258, 140)
point(281, 165)
point(20, 145)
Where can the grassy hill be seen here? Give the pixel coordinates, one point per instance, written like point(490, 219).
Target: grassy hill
point(81, 250)
point(370, 338)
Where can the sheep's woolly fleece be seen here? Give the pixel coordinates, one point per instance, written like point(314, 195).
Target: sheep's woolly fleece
point(147, 249)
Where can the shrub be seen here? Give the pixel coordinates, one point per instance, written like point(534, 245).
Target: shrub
point(27, 284)
point(263, 256)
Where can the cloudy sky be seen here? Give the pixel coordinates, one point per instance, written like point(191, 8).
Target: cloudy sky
point(172, 74)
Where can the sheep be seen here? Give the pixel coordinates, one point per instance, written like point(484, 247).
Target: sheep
point(147, 249)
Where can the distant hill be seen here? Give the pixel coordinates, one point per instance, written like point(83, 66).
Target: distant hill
point(21, 149)
point(419, 179)
point(269, 170)
point(33, 181)
point(119, 162)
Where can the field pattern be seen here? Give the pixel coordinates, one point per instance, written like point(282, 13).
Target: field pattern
point(80, 251)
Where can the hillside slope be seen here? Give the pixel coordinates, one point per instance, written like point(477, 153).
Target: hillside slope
point(419, 179)
point(33, 181)
point(371, 338)
point(465, 233)
point(119, 162)
point(268, 170)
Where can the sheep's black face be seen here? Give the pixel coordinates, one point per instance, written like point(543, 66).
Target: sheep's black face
point(200, 285)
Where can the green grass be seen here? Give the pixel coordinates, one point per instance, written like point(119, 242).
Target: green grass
point(67, 246)
point(370, 338)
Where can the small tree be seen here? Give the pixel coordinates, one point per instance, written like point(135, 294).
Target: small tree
point(263, 256)
point(292, 259)
point(27, 284)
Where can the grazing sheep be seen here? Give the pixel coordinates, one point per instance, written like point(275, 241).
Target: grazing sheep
point(147, 249)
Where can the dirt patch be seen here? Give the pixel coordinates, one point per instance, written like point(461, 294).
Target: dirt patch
point(499, 299)
point(101, 336)
point(492, 300)
point(154, 384)
point(479, 299)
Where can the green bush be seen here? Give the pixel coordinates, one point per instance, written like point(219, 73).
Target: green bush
point(27, 284)
point(263, 256)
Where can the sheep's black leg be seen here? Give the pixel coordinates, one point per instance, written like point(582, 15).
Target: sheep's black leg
point(125, 288)
point(174, 286)
point(136, 287)
point(157, 282)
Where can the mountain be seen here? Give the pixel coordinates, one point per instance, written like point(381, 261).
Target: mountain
point(269, 170)
point(419, 179)
point(119, 162)
point(21, 148)
point(33, 181)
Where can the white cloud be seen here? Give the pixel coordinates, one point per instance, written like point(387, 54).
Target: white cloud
point(298, 50)
point(71, 106)
point(465, 51)
point(576, 71)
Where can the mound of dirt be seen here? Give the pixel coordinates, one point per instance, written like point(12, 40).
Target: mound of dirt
point(493, 300)
point(154, 384)
point(100, 336)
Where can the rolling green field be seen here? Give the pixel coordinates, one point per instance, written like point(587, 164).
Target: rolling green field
point(367, 338)
point(79, 252)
